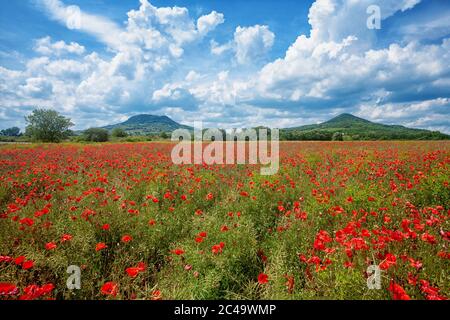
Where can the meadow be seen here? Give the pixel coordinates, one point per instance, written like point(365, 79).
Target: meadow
point(140, 227)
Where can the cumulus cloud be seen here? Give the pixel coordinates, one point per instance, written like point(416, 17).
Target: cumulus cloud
point(156, 63)
point(45, 46)
point(334, 67)
point(252, 42)
point(248, 44)
point(209, 22)
point(145, 51)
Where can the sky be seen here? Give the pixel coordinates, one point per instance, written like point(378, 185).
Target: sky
point(228, 63)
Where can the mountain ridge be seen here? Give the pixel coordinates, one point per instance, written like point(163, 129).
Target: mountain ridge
point(148, 124)
point(349, 126)
point(356, 128)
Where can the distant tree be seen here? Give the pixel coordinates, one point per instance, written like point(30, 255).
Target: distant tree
point(119, 133)
point(338, 136)
point(164, 135)
point(96, 135)
point(47, 126)
point(11, 132)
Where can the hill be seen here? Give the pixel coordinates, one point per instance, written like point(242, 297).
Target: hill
point(354, 128)
point(143, 124)
point(345, 126)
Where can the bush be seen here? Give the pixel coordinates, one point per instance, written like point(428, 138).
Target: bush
point(10, 132)
point(164, 135)
point(119, 133)
point(96, 135)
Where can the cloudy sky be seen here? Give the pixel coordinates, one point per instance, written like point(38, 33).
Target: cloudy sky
point(229, 63)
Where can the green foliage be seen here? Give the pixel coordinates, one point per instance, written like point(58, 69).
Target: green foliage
point(10, 132)
point(47, 126)
point(354, 128)
point(96, 135)
point(119, 133)
point(337, 136)
point(164, 135)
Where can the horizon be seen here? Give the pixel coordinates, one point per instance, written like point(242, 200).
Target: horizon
point(226, 128)
point(232, 64)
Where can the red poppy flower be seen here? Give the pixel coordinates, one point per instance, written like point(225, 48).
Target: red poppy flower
point(218, 248)
point(105, 227)
point(389, 261)
point(156, 295)
point(8, 289)
point(28, 264)
point(19, 260)
point(6, 259)
point(66, 237)
point(263, 278)
point(100, 246)
point(178, 251)
point(127, 238)
point(141, 266)
point(50, 246)
point(398, 292)
point(109, 288)
point(27, 221)
point(132, 272)
point(199, 239)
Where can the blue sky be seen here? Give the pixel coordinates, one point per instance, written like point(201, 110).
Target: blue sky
point(229, 63)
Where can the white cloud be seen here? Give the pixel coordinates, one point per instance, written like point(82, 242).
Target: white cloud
point(152, 66)
point(248, 44)
point(104, 29)
point(252, 42)
point(45, 46)
point(209, 22)
point(218, 49)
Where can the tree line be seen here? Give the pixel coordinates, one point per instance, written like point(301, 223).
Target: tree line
point(49, 126)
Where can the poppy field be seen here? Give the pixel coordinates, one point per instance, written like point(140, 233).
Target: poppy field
point(140, 227)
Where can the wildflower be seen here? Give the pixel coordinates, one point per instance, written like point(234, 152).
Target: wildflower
point(398, 292)
point(109, 288)
point(19, 260)
point(100, 246)
point(178, 251)
point(263, 278)
point(66, 237)
point(156, 295)
point(218, 248)
point(390, 260)
point(132, 271)
point(8, 289)
point(50, 246)
point(28, 264)
point(199, 239)
point(126, 238)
